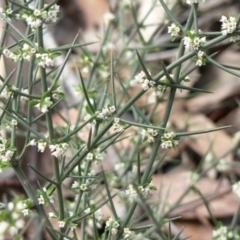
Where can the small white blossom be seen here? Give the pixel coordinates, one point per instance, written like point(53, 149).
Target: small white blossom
point(195, 43)
point(84, 187)
point(142, 78)
point(169, 140)
point(112, 225)
point(173, 29)
point(108, 18)
point(75, 185)
point(41, 200)
point(61, 224)
point(89, 156)
point(117, 126)
point(220, 233)
point(149, 134)
point(229, 25)
point(32, 143)
point(131, 193)
point(200, 56)
point(44, 60)
point(58, 149)
point(41, 146)
point(25, 212)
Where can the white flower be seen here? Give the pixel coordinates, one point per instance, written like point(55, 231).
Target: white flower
point(228, 25)
point(193, 44)
point(41, 200)
point(32, 143)
point(44, 60)
point(108, 18)
point(43, 105)
point(6, 92)
point(75, 185)
point(58, 149)
point(7, 156)
point(112, 109)
point(141, 78)
point(149, 134)
point(112, 224)
point(173, 29)
point(41, 146)
point(37, 12)
point(169, 140)
point(61, 224)
point(221, 233)
point(89, 156)
point(131, 193)
point(25, 212)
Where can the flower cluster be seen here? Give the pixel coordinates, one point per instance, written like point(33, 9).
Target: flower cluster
point(7, 90)
point(224, 233)
point(169, 140)
point(87, 185)
point(6, 12)
point(190, 2)
point(25, 52)
point(86, 63)
point(27, 204)
point(58, 149)
point(37, 17)
point(112, 225)
point(6, 153)
point(11, 221)
point(106, 112)
point(62, 223)
point(44, 59)
point(149, 134)
point(142, 78)
point(42, 104)
point(229, 25)
point(41, 145)
point(145, 189)
point(236, 188)
point(192, 41)
point(96, 156)
point(58, 93)
point(118, 126)
point(200, 59)
point(174, 30)
point(130, 235)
